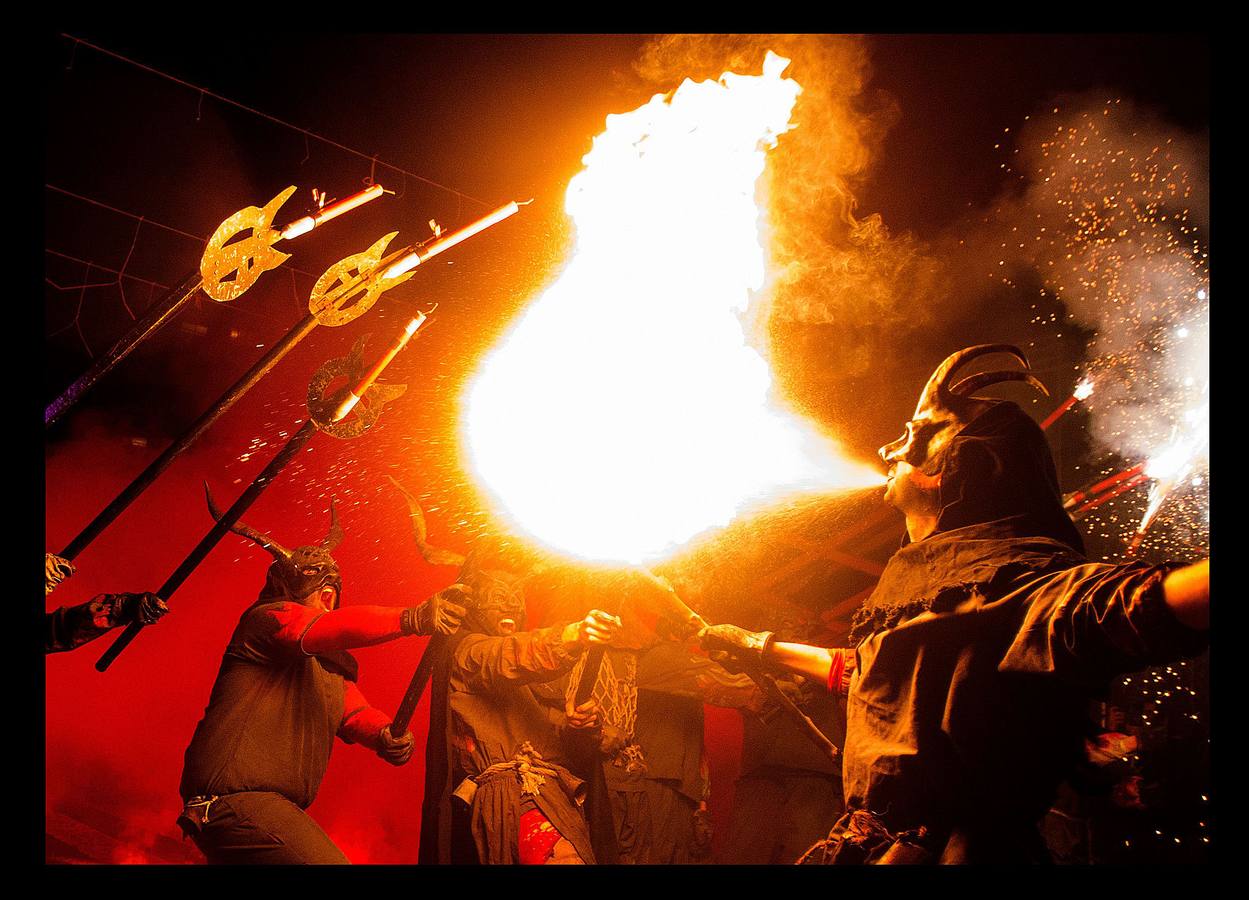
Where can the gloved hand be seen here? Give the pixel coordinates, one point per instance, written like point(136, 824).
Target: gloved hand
point(597, 627)
point(55, 570)
point(144, 608)
point(440, 613)
point(395, 751)
point(736, 641)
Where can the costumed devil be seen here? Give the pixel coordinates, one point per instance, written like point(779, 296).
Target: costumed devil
point(285, 689)
point(72, 626)
point(498, 787)
point(980, 646)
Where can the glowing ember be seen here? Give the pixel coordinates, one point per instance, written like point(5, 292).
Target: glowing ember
point(626, 413)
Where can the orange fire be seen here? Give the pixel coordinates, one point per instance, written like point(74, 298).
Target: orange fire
point(626, 413)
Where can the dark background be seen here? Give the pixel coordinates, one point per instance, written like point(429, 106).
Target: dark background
point(458, 125)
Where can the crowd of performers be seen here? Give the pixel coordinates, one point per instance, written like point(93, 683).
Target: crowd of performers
point(566, 717)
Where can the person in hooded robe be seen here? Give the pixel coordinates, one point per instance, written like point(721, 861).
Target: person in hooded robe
point(503, 728)
point(989, 630)
point(286, 688)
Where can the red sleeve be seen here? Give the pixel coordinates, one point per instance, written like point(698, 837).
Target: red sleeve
point(361, 723)
point(356, 626)
point(269, 633)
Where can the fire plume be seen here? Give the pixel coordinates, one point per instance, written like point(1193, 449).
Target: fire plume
point(626, 412)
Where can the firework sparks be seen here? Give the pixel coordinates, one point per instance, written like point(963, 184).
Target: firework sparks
point(1083, 391)
point(626, 413)
point(1171, 467)
point(1108, 222)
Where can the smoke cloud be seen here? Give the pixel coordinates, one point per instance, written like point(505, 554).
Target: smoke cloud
point(829, 266)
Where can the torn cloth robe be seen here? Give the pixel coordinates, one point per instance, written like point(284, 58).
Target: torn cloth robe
point(494, 705)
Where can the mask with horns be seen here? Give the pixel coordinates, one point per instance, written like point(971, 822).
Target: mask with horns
point(496, 571)
point(944, 410)
point(298, 573)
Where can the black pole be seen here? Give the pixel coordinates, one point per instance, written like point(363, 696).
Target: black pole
point(589, 674)
point(801, 719)
point(218, 531)
point(150, 474)
point(420, 678)
point(153, 320)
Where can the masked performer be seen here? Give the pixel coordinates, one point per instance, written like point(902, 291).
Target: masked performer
point(983, 640)
point(72, 626)
point(285, 689)
point(498, 789)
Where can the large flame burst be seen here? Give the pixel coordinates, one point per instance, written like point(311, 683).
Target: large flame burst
point(625, 412)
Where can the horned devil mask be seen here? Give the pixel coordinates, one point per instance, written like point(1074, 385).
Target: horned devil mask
point(295, 573)
point(495, 572)
point(944, 411)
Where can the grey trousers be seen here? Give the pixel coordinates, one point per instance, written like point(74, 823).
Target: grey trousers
point(261, 829)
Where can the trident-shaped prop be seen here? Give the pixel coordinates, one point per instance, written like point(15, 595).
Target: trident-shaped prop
point(328, 414)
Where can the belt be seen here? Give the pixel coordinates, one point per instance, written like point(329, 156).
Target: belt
point(196, 808)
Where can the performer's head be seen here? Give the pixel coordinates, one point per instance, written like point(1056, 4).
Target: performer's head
point(496, 571)
point(966, 460)
point(307, 574)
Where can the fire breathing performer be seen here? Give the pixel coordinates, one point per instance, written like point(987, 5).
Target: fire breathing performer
point(285, 689)
point(986, 635)
point(72, 626)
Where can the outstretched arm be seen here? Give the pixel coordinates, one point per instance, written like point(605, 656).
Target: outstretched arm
point(1187, 594)
point(363, 626)
point(828, 666)
point(1096, 620)
point(73, 626)
point(482, 662)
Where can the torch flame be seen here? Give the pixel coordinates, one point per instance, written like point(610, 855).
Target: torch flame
point(626, 413)
point(1083, 390)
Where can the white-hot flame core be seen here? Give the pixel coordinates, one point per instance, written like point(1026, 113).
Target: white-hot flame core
point(625, 413)
point(1083, 390)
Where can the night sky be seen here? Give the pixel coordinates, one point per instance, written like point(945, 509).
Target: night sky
point(476, 121)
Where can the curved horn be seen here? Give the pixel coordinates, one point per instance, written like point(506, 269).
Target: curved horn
point(335, 537)
point(937, 383)
point(434, 555)
point(973, 383)
point(276, 550)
